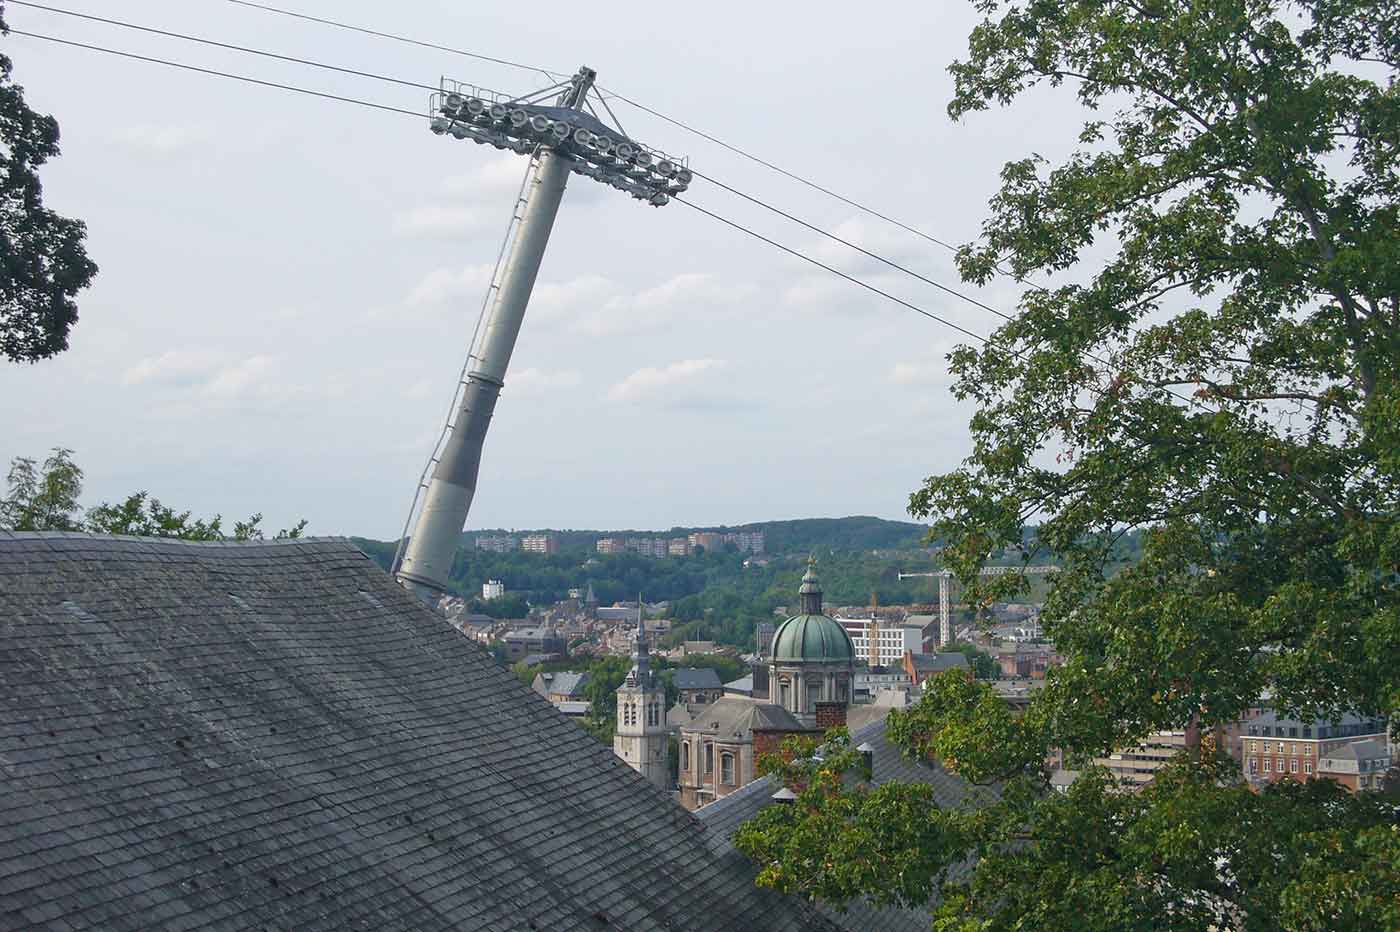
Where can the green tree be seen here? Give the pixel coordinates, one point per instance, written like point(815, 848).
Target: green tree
point(1215, 364)
point(45, 498)
point(43, 263)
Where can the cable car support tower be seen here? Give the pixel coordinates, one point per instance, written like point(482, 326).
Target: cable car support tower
point(561, 136)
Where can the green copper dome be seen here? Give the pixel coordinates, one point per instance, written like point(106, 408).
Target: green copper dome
point(812, 635)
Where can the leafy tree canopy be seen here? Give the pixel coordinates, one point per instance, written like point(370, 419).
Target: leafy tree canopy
point(43, 263)
point(45, 498)
point(1224, 380)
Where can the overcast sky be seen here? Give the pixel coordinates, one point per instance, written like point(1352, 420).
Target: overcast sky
point(287, 284)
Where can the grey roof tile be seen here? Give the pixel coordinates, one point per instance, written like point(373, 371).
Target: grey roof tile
point(274, 734)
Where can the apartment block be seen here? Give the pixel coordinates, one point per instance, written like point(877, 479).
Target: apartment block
point(540, 543)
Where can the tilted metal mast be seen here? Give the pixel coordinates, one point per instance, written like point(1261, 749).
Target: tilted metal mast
point(562, 137)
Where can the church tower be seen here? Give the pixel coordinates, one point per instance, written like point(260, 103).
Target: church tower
point(640, 735)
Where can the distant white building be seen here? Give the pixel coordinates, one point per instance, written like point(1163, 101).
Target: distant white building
point(882, 644)
point(492, 589)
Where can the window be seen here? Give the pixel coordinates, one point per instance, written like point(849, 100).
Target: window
point(1253, 765)
point(709, 757)
point(1307, 766)
point(1293, 765)
point(1280, 765)
point(1268, 765)
point(1254, 745)
point(685, 755)
point(726, 769)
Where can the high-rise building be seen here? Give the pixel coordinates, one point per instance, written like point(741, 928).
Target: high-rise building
point(540, 543)
point(492, 589)
point(496, 544)
point(610, 545)
point(678, 547)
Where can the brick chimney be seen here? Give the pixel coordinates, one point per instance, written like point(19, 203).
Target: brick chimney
point(830, 714)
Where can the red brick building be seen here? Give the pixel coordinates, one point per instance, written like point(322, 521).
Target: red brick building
point(1275, 747)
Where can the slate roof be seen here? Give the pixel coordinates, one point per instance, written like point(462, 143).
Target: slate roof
point(937, 663)
point(723, 817)
point(569, 683)
point(731, 718)
point(697, 678)
point(275, 735)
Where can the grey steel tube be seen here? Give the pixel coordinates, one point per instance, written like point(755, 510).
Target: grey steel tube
point(428, 556)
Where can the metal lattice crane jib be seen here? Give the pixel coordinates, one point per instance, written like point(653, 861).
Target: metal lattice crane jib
point(562, 134)
point(945, 578)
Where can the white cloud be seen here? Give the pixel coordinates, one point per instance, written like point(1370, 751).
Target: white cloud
point(246, 377)
point(489, 180)
point(180, 366)
point(162, 138)
point(919, 373)
point(558, 299)
point(436, 221)
point(697, 294)
point(649, 382)
point(441, 285)
point(533, 383)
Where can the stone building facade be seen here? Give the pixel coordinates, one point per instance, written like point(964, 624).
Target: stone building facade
point(640, 735)
point(811, 671)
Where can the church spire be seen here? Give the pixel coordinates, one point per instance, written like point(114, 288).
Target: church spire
point(810, 593)
point(641, 654)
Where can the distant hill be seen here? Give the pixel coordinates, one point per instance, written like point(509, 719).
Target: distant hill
point(859, 532)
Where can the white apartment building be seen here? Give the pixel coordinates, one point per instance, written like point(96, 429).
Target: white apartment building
point(882, 644)
point(539, 543)
point(492, 589)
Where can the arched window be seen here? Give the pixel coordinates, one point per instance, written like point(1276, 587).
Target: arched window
point(726, 769)
point(784, 693)
point(709, 757)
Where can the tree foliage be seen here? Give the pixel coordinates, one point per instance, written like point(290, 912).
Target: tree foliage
point(45, 498)
point(43, 262)
point(1214, 363)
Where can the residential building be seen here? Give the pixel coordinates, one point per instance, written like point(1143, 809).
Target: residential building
point(355, 764)
point(496, 544)
point(678, 547)
point(610, 545)
point(871, 680)
point(1358, 765)
point(1136, 767)
point(921, 666)
point(809, 690)
point(697, 685)
point(881, 643)
point(492, 589)
point(1276, 746)
point(710, 540)
point(533, 640)
point(563, 686)
point(539, 543)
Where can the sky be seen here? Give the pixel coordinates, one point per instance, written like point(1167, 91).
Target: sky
point(287, 285)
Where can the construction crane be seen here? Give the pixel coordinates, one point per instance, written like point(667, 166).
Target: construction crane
point(945, 577)
point(558, 129)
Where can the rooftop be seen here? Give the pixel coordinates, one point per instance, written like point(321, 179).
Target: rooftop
point(275, 735)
